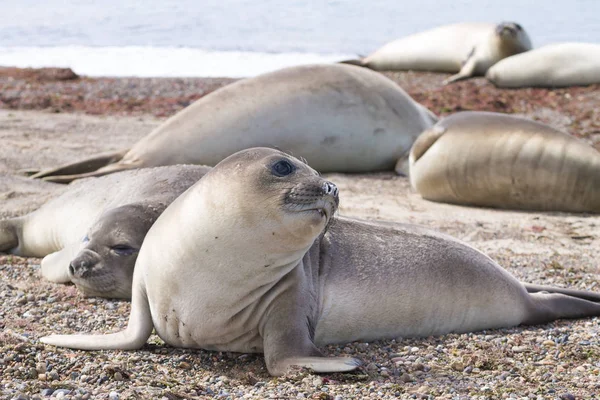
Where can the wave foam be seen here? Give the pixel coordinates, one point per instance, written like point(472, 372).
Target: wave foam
point(158, 61)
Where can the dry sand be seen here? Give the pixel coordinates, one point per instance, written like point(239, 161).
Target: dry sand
point(557, 360)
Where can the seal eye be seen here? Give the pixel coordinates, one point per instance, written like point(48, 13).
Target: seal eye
point(282, 168)
point(85, 239)
point(519, 27)
point(123, 250)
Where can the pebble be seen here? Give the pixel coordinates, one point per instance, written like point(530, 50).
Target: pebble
point(113, 396)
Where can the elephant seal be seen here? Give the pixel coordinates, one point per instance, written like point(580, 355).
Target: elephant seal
point(467, 49)
point(340, 118)
point(253, 264)
point(91, 234)
point(554, 65)
point(497, 160)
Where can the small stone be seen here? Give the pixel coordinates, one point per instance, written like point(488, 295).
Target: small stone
point(457, 366)
point(42, 377)
point(468, 369)
point(519, 349)
point(548, 343)
point(47, 392)
point(406, 378)
point(113, 396)
point(184, 365)
point(21, 396)
point(384, 372)
point(413, 350)
point(317, 382)
point(567, 396)
point(53, 376)
point(118, 376)
point(371, 367)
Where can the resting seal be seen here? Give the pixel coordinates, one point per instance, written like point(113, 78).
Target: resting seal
point(339, 117)
point(554, 65)
point(467, 49)
point(92, 233)
point(253, 264)
point(498, 160)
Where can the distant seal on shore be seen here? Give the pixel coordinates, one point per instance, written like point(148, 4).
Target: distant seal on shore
point(553, 65)
point(248, 260)
point(466, 48)
point(91, 234)
point(340, 118)
point(497, 160)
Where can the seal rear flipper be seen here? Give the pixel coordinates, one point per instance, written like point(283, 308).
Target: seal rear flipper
point(547, 307)
point(8, 235)
point(55, 266)
point(580, 294)
point(133, 337)
point(109, 169)
point(359, 62)
point(84, 166)
point(425, 141)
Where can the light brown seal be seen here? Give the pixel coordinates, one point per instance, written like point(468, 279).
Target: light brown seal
point(338, 117)
point(466, 49)
point(91, 234)
point(504, 161)
point(253, 264)
point(554, 65)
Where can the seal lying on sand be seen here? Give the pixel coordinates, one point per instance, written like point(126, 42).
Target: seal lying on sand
point(91, 234)
point(497, 160)
point(554, 65)
point(253, 264)
point(466, 48)
point(339, 117)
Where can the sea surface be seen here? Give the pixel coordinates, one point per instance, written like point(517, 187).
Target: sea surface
point(243, 38)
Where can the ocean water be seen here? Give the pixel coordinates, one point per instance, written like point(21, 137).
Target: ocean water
point(244, 38)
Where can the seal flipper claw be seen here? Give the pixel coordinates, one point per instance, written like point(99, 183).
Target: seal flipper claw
point(325, 364)
point(88, 165)
point(133, 337)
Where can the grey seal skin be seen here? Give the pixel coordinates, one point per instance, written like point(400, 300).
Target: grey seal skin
point(340, 118)
point(498, 160)
point(253, 264)
point(91, 234)
point(553, 65)
point(466, 49)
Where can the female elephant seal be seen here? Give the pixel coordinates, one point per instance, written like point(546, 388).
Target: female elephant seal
point(554, 65)
point(498, 160)
point(91, 234)
point(339, 117)
point(467, 49)
point(252, 264)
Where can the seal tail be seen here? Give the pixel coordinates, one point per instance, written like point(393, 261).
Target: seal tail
point(89, 167)
point(133, 337)
point(8, 235)
point(580, 294)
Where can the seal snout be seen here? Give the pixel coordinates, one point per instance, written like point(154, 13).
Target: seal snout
point(81, 265)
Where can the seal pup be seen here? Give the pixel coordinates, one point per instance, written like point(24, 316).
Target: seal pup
point(498, 160)
point(553, 65)
point(467, 49)
point(252, 264)
point(340, 118)
point(91, 234)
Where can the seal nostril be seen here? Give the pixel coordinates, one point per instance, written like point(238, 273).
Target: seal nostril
point(330, 189)
point(71, 269)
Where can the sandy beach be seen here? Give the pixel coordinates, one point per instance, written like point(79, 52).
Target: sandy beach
point(50, 118)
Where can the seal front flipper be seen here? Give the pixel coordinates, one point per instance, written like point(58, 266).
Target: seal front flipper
point(55, 266)
point(8, 235)
point(288, 341)
point(467, 71)
point(81, 167)
point(133, 337)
